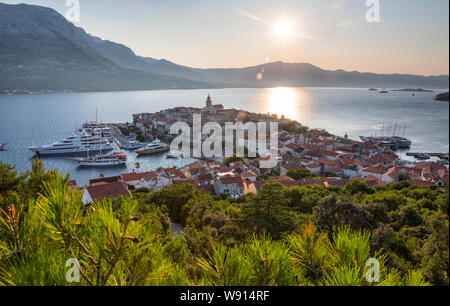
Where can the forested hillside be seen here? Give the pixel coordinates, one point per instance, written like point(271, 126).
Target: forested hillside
point(310, 235)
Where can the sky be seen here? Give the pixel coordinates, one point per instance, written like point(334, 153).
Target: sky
point(412, 36)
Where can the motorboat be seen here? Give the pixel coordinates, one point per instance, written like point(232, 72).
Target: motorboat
point(154, 147)
point(134, 145)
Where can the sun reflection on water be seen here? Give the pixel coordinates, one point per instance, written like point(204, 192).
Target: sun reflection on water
point(292, 103)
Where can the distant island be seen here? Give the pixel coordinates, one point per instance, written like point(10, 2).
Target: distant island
point(413, 90)
point(442, 96)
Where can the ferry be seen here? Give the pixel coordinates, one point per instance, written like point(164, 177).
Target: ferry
point(80, 142)
point(154, 147)
point(115, 159)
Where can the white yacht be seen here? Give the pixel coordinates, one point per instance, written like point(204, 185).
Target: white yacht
point(115, 159)
point(155, 146)
point(101, 132)
point(134, 144)
point(80, 142)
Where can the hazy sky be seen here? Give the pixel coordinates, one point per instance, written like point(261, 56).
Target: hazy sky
point(411, 37)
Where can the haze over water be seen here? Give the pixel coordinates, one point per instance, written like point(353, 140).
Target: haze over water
point(46, 118)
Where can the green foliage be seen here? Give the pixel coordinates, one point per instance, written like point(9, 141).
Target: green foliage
point(228, 160)
point(267, 212)
point(299, 174)
point(308, 235)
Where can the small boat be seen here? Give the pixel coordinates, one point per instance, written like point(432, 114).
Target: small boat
point(154, 147)
point(2, 146)
point(422, 156)
point(114, 159)
point(134, 145)
point(384, 91)
point(170, 156)
point(373, 89)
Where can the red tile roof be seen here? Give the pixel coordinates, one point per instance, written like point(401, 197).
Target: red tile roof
point(104, 180)
point(232, 180)
point(115, 189)
point(420, 183)
point(376, 170)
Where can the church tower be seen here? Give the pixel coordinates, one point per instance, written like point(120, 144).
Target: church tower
point(208, 102)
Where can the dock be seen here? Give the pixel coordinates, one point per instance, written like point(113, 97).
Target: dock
point(439, 155)
point(120, 140)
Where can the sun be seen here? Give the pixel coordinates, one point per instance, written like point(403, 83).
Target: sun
point(284, 29)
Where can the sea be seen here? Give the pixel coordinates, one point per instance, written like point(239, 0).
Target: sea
point(37, 119)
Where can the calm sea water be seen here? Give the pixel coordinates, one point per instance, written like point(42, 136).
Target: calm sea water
point(46, 118)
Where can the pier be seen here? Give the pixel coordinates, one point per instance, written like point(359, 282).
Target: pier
point(418, 154)
point(119, 139)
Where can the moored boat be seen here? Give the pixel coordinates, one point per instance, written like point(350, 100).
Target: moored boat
point(134, 145)
point(115, 159)
point(80, 142)
point(154, 147)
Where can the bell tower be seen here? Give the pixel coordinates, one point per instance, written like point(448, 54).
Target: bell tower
point(208, 102)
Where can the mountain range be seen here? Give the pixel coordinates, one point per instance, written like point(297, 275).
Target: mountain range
point(41, 50)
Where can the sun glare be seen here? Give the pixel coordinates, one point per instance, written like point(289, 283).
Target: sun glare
point(284, 29)
point(292, 103)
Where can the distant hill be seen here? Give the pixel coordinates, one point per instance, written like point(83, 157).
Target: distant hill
point(295, 74)
point(41, 50)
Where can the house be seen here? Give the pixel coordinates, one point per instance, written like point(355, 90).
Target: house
point(314, 168)
point(249, 176)
point(106, 190)
point(255, 166)
point(420, 183)
point(155, 182)
point(135, 178)
point(392, 174)
point(105, 180)
point(172, 173)
point(376, 171)
point(284, 169)
point(233, 186)
point(293, 149)
point(329, 154)
point(328, 164)
point(205, 179)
